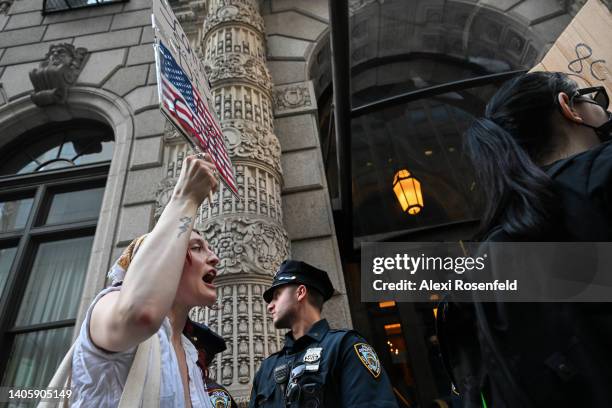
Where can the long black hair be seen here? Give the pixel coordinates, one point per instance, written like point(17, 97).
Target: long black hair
point(504, 146)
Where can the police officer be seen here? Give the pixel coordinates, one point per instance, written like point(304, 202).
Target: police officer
point(208, 343)
point(318, 366)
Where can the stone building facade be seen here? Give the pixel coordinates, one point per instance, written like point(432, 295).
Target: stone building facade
point(269, 63)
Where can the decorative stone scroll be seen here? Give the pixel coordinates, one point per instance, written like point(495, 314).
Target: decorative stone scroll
point(56, 74)
point(247, 245)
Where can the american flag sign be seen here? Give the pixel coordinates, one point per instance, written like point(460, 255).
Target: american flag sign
point(182, 103)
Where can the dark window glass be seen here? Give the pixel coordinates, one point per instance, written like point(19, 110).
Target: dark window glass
point(60, 147)
point(425, 138)
point(75, 206)
point(14, 214)
point(7, 255)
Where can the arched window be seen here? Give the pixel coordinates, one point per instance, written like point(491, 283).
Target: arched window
point(51, 189)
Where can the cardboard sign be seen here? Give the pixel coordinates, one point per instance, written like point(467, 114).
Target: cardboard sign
point(583, 50)
point(184, 93)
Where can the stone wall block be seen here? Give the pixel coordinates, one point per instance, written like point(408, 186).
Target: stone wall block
point(286, 72)
point(78, 28)
point(22, 6)
point(143, 98)
point(106, 41)
point(306, 214)
point(286, 48)
point(137, 5)
point(296, 132)
point(126, 79)
point(23, 36)
point(320, 252)
point(14, 81)
point(148, 123)
point(293, 24)
point(141, 54)
point(132, 19)
point(147, 153)
point(24, 20)
point(100, 66)
point(301, 170)
point(141, 186)
point(134, 221)
point(83, 13)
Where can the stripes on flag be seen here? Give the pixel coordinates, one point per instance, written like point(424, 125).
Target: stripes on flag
point(185, 105)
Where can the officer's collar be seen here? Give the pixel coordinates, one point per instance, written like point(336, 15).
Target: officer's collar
point(316, 333)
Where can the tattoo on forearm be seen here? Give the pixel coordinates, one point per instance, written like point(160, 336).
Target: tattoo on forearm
point(185, 226)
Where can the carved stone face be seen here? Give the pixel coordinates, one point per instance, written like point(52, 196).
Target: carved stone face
point(60, 55)
point(5, 5)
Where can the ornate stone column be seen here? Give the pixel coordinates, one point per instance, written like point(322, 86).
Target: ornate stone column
point(247, 234)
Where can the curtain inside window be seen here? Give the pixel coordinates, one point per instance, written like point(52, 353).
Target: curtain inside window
point(34, 358)
point(54, 288)
point(6, 260)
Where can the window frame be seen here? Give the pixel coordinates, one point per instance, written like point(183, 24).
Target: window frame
point(28, 239)
point(68, 7)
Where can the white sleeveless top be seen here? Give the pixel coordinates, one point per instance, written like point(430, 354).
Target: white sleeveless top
point(98, 376)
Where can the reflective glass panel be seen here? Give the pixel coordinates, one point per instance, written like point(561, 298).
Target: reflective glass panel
point(7, 255)
point(67, 146)
point(75, 206)
point(34, 358)
point(54, 287)
point(406, 45)
point(423, 137)
point(14, 214)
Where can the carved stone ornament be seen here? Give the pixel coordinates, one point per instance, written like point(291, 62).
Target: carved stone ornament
point(247, 139)
point(171, 135)
point(5, 5)
point(246, 245)
point(56, 74)
point(163, 194)
point(235, 66)
point(294, 98)
point(235, 11)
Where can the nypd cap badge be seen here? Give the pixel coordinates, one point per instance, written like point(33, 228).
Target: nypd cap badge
point(368, 357)
point(313, 355)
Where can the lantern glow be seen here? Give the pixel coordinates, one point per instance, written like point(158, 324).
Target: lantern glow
point(407, 189)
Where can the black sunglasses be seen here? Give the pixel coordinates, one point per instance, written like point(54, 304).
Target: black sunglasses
point(596, 95)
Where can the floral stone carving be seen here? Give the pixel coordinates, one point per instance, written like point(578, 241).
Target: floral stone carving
point(234, 66)
point(247, 139)
point(246, 245)
point(56, 74)
point(235, 12)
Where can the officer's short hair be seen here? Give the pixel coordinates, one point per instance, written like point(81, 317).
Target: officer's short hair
point(315, 298)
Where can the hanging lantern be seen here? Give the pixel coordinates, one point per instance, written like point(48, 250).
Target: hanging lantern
point(407, 189)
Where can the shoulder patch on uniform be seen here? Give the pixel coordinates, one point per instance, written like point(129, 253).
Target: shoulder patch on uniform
point(368, 357)
point(220, 398)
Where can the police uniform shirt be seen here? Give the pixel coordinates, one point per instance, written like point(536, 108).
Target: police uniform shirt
point(338, 369)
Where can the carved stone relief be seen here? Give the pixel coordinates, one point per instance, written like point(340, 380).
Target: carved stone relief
point(293, 98)
point(247, 245)
point(56, 74)
point(239, 66)
point(235, 11)
point(233, 40)
point(259, 191)
point(243, 102)
point(5, 5)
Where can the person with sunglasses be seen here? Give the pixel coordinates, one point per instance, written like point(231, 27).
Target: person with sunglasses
point(543, 162)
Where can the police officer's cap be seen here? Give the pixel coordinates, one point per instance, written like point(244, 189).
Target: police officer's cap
point(204, 338)
point(301, 273)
